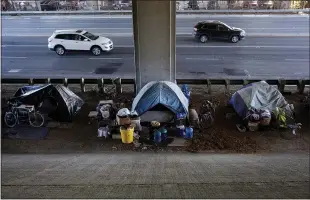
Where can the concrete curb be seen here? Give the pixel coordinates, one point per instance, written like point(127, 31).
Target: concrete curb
point(184, 12)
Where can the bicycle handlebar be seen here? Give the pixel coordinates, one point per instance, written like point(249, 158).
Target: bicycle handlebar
point(15, 103)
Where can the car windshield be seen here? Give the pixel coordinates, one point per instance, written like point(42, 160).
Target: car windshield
point(226, 25)
point(91, 36)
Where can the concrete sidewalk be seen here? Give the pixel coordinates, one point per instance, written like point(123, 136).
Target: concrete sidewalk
point(163, 175)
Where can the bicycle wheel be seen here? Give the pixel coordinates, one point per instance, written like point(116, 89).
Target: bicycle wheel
point(10, 119)
point(36, 119)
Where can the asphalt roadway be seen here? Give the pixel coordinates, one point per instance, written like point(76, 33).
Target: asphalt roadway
point(276, 47)
point(149, 175)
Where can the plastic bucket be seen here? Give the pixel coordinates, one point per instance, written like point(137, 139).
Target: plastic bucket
point(127, 135)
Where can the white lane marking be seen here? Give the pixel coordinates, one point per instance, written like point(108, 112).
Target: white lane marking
point(14, 70)
point(296, 59)
point(14, 57)
point(185, 46)
point(202, 59)
point(105, 58)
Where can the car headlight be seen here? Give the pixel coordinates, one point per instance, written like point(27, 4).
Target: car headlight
point(242, 33)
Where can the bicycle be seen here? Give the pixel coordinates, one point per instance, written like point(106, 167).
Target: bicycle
point(19, 112)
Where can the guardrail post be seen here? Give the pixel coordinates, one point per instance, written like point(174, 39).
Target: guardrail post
point(65, 82)
point(30, 81)
point(281, 85)
point(118, 84)
point(301, 86)
point(227, 86)
point(209, 89)
point(48, 81)
point(101, 88)
point(82, 83)
point(135, 87)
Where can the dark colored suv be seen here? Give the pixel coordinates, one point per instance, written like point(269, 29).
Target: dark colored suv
point(208, 30)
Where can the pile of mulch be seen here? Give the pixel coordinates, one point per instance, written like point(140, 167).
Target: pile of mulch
point(217, 139)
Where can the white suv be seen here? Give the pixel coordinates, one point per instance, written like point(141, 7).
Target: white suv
point(80, 40)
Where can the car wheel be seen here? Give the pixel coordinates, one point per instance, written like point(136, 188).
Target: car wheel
point(203, 39)
point(96, 50)
point(60, 50)
point(234, 39)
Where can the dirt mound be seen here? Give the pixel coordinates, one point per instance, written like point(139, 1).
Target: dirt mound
point(217, 139)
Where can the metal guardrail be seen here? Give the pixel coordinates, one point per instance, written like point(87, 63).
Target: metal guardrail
point(119, 82)
point(127, 12)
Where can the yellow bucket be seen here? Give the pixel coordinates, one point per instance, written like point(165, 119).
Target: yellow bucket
point(127, 135)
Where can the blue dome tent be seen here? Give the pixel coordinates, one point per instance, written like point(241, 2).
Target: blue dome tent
point(163, 93)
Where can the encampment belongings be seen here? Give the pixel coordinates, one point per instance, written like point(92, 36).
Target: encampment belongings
point(180, 130)
point(155, 124)
point(135, 121)
point(258, 95)
point(92, 115)
point(105, 111)
point(188, 133)
point(164, 134)
point(186, 91)
point(193, 118)
point(207, 114)
point(157, 136)
point(206, 120)
point(104, 132)
point(284, 116)
point(127, 134)
point(253, 125)
point(166, 94)
point(241, 128)
point(59, 102)
point(136, 137)
point(122, 117)
point(295, 127)
point(180, 119)
point(265, 117)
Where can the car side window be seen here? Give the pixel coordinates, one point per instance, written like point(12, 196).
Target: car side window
point(60, 36)
point(211, 27)
point(222, 28)
point(71, 36)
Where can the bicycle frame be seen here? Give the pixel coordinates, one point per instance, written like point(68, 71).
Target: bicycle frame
point(17, 111)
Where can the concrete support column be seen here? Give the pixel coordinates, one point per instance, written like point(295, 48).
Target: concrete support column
point(154, 28)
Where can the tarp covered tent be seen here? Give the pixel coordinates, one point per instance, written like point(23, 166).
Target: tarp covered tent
point(66, 103)
point(163, 93)
point(259, 95)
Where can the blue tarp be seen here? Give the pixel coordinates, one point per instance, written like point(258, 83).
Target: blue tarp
point(163, 93)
